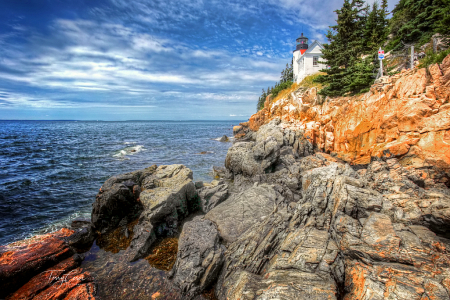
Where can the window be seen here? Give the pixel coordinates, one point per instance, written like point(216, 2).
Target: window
point(315, 61)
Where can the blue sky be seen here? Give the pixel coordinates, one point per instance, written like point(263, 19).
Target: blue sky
point(148, 59)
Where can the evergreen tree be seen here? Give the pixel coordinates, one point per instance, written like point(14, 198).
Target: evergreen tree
point(347, 43)
point(286, 78)
point(288, 73)
point(443, 25)
point(261, 100)
point(415, 21)
point(376, 28)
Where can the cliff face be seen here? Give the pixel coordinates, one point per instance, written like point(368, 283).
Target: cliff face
point(406, 116)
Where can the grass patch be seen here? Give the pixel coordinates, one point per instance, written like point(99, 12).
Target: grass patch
point(307, 82)
point(433, 58)
point(311, 81)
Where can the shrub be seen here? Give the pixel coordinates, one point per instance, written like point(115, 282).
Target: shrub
point(433, 58)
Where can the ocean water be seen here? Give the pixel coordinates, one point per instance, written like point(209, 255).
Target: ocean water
point(50, 171)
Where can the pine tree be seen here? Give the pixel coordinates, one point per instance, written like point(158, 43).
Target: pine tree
point(416, 21)
point(443, 24)
point(288, 73)
point(261, 100)
point(347, 43)
point(376, 30)
point(287, 76)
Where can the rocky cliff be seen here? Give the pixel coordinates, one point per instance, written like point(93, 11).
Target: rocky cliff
point(406, 116)
point(342, 198)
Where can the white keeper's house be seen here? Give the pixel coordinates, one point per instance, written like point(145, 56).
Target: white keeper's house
point(306, 58)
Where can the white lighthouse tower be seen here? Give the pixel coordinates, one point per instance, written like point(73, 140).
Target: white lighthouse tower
point(306, 58)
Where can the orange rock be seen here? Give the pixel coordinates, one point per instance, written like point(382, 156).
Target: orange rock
point(44, 280)
point(82, 292)
point(406, 116)
point(66, 284)
point(20, 261)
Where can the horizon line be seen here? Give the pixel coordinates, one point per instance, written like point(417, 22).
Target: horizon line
point(75, 120)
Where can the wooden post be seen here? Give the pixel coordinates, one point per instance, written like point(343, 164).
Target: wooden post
point(381, 68)
point(412, 57)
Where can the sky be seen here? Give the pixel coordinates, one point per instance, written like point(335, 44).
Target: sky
point(148, 59)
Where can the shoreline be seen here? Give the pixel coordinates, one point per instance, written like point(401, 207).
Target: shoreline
point(284, 219)
point(266, 188)
point(42, 187)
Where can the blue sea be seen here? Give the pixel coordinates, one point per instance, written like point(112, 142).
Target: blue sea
point(50, 171)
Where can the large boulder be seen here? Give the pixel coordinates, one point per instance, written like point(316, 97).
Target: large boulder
point(243, 210)
point(270, 129)
point(157, 196)
point(167, 191)
point(199, 257)
point(249, 158)
point(118, 199)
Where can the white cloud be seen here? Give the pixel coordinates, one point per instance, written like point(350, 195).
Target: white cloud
point(96, 60)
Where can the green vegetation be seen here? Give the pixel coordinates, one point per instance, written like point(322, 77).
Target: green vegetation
point(280, 87)
point(311, 81)
point(351, 52)
point(353, 42)
point(287, 76)
point(433, 58)
point(415, 21)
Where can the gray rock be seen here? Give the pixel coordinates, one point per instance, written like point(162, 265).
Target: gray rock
point(199, 257)
point(82, 239)
point(158, 196)
point(240, 212)
point(271, 130)
point(198, 184)
point(80, 223)
point(224, 138)
point(340, 236)
point(219, 172)
point(143, 238)
point(250, 158)
point(118, 199)
point(211, 196)
point(113, 203)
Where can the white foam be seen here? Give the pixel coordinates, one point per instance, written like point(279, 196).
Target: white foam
point(129, 151)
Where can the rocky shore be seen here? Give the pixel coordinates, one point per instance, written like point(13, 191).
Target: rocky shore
point(288, 217)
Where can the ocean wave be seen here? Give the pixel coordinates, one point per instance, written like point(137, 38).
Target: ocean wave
point(129, 151)
point(61, 223)
point(230, 138)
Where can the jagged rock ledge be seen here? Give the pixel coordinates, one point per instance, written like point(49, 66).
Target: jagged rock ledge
point(284, 220)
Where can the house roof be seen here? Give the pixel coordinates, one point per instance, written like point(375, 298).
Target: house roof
point(303, 51)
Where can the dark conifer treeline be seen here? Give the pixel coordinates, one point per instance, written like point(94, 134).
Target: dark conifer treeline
point(415, 21)
point(352, 48)
point(286, 78)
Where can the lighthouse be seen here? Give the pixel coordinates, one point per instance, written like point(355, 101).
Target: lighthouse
point(306, 58)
